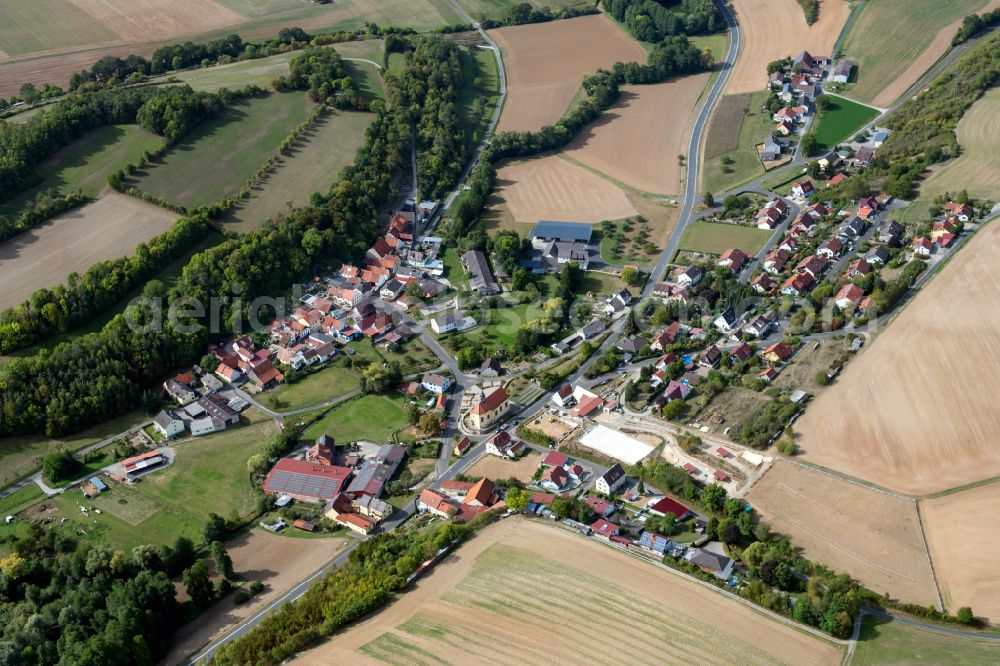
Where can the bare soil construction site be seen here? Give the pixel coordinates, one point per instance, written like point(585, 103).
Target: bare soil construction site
point(638, 140)
point(545, 62)
point(916, 412)
point(529, 592)
point(873, 536)
point(773, 29)
point(110, 227)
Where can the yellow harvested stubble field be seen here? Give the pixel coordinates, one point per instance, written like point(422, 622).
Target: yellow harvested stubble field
point(529, 592)
point(110, 227)
point(916, 412)
point(963, 548)
point(551, 188)
point(545, 63)
point(868, 534)
point(638, 140)
point(773, 29)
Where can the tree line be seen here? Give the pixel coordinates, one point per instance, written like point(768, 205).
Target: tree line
point(973, 24)
point(524, 13)
point(651, 21)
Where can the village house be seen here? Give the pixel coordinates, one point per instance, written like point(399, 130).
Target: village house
point(761, 325)
point(830, 248)
point(436, 383)
point(618, 302)
point(726, 321)
point(797, 284)
point(848, 298)
point(842, 71)
point(718, 565)
point(877, 256)
point(490, 368)
point(963, 212)
point(813, 266)
point(323, 451)
point(563, 396)
point(609, 482)
point(779, 352)
point(554, 479)
point(710, 358)
point(804, 189)
point(180, 392)
point(665, 505)
point(923, 246)
point(764, 284)
point(462, 445)
point(452, 320)
point(168, 424)
point(601, 507)
point(690, 276)
point(858, 268)
point(604, 529)
point(775, 260)
point(890, 232)
point(733, 259)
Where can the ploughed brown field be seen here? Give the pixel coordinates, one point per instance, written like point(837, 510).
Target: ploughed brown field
point(963, 552)
point(638, 140)
point(917, 411)
point(551, 188)
point(110, 227)
point(873, 536)
point(527, 592)
point(546, 61)
point(773, 29)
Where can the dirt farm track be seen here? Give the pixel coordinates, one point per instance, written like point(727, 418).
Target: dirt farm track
point(916, 412)
point(545, 62)
point(529, 592)
point(773, 29)
point(110, 227)
point(870, 535)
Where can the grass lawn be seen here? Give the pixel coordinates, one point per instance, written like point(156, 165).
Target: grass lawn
point(209, 473)
point(20, 499)
point(453, 270)
point(839, 120)
point(368, 77)
point(312, 165)
point(503, 323)
point(215, 159)
point(602, 284)
point(888, 643)
point(396, 63)
point(476, 104)
point(260, 72)
point(717, 44)
point(370, 417)
point(717, 238)
point(743, 164)
point(21, 456)
point(314, 389)
point(369, 49)
point(412, 356)
point(85, 164)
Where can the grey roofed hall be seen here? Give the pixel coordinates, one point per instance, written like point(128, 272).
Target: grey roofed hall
point(563, 231)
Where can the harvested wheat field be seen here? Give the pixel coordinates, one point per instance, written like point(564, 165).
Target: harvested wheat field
point(530, 592)
point(870, 535)
point(495, 468)
point(276, 560)
point(773, 29)
point(977, 169)
point(545, 63)
point(895, 41)
point(965, 554)
point(152, 20)
point(110, 227)
point(551, 188)
point(917, 411)
point(638, 140)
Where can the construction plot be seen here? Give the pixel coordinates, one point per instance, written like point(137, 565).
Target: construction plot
point(637, 140)
point(545, 62)
point(916, 412)
point(963, 552)
point(616, 444)
point(873, 536)
point(526, 592)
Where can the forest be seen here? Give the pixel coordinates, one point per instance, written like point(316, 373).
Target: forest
point(652, 20)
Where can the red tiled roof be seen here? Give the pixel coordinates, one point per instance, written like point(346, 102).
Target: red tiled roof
point(555, 459)
point(667, 505)
point(491, 401)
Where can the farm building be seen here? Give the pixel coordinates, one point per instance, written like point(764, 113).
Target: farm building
point(616, 444)
point(480, 276)
point(138, 464)
point(546, 232)
point(306, 481)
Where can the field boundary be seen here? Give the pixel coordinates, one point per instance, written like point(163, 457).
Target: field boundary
point(927, 553)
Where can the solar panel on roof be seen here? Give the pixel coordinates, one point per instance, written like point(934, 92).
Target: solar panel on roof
point(295, 483)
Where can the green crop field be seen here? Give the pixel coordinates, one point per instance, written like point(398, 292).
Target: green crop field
point(215, 159)
point(321, 386)
point(85, 164)
point(313, 165)
point(27, 26)
point(21, 456)
point(20, 499)
point(896, 644)
point(889, 35)
point(371, 417)
point(717, 238)
point(839, 120)
point(725, 167)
